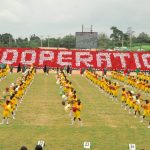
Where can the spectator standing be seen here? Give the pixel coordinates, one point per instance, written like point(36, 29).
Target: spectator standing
point(68, 69)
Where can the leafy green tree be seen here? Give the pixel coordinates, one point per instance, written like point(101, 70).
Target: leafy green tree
point(143, 38)
point(125, 39)
point(35, 41)
point(53, 42)
point(20, 42)
point(6, 40)
point(103, 41)
point(119, 38)
point(116, 36)
point(68, 41)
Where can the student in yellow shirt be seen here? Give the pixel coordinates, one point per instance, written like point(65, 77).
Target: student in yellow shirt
point(77, 107)
point(6, 112)
point(146, 112)
point(123, 97)
point(137, 106)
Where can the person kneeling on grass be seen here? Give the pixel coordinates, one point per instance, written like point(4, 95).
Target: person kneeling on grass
point(146, 113)
point(77, 111)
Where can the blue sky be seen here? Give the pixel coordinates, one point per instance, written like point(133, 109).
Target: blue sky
point(56, 18)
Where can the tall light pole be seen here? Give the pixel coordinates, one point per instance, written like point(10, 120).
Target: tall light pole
point(16, 42)
point(48, 40)
point(9, 41)
point(122, 40)
point(130, 41)
point(41, 41)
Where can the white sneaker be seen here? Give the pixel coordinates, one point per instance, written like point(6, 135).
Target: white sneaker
point(148, 126)
point(72, 122)
point(2, 121)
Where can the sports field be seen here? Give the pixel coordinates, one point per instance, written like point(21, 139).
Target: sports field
point(41, 116)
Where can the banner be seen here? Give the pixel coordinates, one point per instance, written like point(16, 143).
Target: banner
point(113, 60)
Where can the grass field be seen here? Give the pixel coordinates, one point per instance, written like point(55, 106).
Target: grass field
point(41, 116)
point(145, 47)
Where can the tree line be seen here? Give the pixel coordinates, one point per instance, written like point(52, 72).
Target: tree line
point(117, 38)
point(7, 40)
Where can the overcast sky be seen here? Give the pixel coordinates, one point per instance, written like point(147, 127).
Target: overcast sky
point(60, 17)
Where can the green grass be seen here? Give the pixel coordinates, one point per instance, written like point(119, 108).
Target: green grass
point(145, 47)
point(41, 116)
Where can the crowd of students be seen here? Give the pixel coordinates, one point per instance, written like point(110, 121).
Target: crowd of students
point(70, 101)
point(139, 81)
point(13, 95)
point(105, 85)
point(130, 100)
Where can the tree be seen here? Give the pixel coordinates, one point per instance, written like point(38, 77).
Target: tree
point(68, 41)
point(6, 40)
point(20, 42)
point(35, 41)
point(125, 39)
point(53, 42)
point(130, 33)
point(116, 36)
point(143, 38)
point(103, 41)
